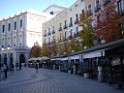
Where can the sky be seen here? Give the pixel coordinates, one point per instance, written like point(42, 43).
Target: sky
point(10, 7)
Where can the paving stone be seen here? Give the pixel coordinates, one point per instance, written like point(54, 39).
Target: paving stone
point(50, 81)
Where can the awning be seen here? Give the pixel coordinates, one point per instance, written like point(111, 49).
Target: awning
point(94, 54)
point(31, 59)
point(63, 59)
point(74, 57)
point(56, 59)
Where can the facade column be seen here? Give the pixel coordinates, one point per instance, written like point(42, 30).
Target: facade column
point(59, 67)
point(100, 74)
point(74, 69)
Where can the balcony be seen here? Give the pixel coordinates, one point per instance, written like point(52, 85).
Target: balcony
point(76, 21)
point(53, 31)
point(70, 24)
point(105, 2)
point(60, 29)
point(97, 8)
point(65, 26)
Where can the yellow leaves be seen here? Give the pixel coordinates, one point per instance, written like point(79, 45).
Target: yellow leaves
point(44, 50)
point(87, 32)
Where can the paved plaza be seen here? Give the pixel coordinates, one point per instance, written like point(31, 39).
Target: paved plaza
point(51, 81)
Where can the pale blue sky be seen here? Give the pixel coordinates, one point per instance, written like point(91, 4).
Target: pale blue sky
point(9, 7)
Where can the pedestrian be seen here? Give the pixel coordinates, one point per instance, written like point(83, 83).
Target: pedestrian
point(36, 67)
point(5, 70)
point(0, 72)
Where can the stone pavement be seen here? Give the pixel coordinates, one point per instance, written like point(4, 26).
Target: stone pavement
point(50, 81)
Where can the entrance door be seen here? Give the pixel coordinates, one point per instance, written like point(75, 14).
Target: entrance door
point(21, 60)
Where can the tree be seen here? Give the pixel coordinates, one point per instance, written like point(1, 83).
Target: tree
point(35, 50)
point(54, 48)
point(44, 50)
point(108, 25)
point(87, 33)
point(73, 45)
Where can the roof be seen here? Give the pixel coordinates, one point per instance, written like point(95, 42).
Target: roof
point(54, 6)
point(106, 46)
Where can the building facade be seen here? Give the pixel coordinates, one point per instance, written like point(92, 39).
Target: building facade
point(63, 26)
point(18, 33)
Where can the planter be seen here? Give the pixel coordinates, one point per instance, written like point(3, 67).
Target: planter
point(69, 71)
point(54, 67)
point(86, 75)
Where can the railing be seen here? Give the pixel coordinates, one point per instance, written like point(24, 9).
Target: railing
point(60, 29)
point(70, 24)
point(53, 32)
point(65, 26)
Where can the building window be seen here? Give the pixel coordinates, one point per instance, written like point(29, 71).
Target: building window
point(98, 6)
point(60, 26)
point(70, 37)
point(53, 29)
point(9, 27)
point(49, 40)
point(119, 6)
point(89, 10)
point(52, 13)
point(3, 28)
point(20, 23)
point(65, 24)
point(15, 25)
point(8, 46)
point(77, 30)
point(49, 31)
point(76, 21)
point(2, 46)
point(71, 21)
point(65, 34)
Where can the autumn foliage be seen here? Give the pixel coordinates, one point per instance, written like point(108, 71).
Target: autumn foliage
point(44, 50)
point(35, 50)
point(108, 25)
point(54, 48)
point(87, 33)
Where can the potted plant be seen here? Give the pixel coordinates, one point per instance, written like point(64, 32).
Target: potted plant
point(86, 73)
point(69, 70)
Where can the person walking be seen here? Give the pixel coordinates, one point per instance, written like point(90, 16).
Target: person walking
point(0, 72)
point(36, 67)
point(5, 70)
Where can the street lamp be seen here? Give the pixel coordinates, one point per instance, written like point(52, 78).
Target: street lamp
point(8, 48)
point(2, 49)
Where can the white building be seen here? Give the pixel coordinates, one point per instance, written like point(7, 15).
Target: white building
point(18, 33)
